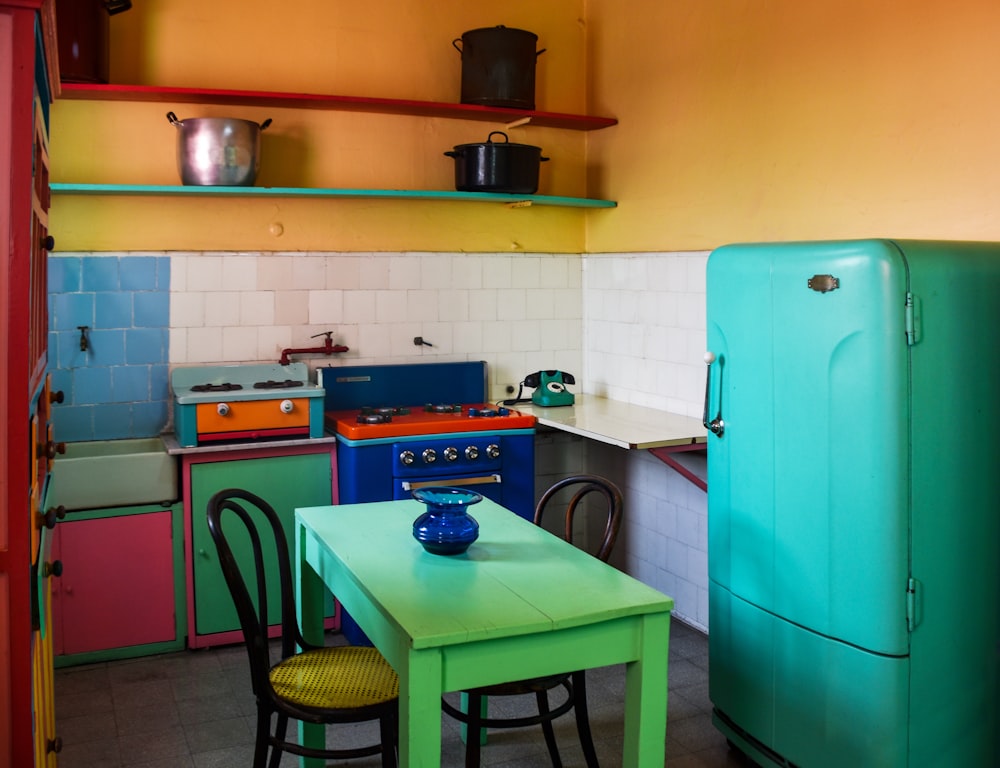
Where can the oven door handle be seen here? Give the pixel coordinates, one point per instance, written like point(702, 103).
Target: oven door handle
point(408, 486)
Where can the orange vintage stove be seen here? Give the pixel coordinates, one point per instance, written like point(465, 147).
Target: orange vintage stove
point(232, 403)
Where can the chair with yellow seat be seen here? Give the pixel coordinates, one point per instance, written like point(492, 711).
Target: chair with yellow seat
point(324, 685)
point(605, 501)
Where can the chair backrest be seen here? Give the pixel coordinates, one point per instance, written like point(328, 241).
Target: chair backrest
point(248, 581)
point(582, 486)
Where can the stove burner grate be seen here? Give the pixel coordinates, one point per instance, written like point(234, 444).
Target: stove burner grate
point(225, 387)
point(374, 418)
point(368, 410)
point(442, 408)
point(269, 384)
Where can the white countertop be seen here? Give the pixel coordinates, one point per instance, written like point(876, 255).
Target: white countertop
point(618, 423)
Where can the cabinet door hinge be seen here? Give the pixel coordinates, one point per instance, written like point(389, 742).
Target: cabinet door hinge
point(912, 604)
point(911, 320)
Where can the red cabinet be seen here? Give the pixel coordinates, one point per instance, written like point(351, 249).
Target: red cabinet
point(28, 82)
point(120, 584)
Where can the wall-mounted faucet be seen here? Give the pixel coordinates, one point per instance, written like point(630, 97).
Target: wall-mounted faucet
point(328, 348)
point(84, 341)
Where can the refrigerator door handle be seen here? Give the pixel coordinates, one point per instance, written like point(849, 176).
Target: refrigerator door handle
point(716, 425)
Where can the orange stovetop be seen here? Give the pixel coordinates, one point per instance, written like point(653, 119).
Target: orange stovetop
point(421, 422)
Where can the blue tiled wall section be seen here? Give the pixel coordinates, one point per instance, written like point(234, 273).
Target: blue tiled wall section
point(115, 387)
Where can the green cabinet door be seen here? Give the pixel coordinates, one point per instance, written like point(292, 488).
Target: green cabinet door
point(285, 482)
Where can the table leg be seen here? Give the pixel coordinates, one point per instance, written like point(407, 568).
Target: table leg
point(646, 695)
point(420, 710)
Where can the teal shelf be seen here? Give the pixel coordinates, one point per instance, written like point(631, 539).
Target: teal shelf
point(385, 194)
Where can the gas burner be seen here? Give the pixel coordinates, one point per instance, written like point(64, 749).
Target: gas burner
point(225, 387)
point(486, 413)
point(374, 418)
point(269, 384)
point(368, 410)
point(442, 408)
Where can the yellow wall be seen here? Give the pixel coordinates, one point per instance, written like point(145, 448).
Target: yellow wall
point(746, 120)
point(739, 120)
point(382, 48)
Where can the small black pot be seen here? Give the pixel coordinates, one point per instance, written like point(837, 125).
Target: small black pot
point(497, 167)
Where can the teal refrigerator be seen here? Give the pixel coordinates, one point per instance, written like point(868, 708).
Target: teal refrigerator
point(854, 502)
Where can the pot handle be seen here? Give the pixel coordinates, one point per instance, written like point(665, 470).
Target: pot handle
point(489, 139)
point(174, 121)
point(265, 124)
point(456, 46)
point(539, 53)
point(452, 154)
point(543, 159)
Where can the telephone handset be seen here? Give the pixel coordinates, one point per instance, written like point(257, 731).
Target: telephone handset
point(534, 380)
point(550, 388)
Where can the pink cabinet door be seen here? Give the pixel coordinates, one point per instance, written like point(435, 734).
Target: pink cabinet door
point(117, 583)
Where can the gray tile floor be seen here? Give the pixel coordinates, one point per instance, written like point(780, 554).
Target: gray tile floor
point(194, 710)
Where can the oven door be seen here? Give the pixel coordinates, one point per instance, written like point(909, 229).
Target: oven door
point(500, 466)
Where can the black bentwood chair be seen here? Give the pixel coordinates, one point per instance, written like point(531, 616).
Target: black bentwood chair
point(607, 501)
point(326, 685)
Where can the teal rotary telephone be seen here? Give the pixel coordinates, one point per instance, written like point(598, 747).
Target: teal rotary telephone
point(550, 388)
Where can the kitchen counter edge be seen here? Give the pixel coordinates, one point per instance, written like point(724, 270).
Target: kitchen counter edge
point(619, 423)
point(174, 448)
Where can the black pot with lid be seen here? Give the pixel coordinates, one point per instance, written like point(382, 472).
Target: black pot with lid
point(497, 166)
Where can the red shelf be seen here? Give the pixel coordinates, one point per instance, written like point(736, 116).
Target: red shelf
point(100, 92)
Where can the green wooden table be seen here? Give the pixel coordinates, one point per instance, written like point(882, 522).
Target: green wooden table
point(520, 603)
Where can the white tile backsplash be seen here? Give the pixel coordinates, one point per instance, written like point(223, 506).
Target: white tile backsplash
point(629, 326)
point(643, 340)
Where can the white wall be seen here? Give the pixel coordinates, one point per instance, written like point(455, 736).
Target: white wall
point(519, 312)
point(643, 342)
point(629, 326)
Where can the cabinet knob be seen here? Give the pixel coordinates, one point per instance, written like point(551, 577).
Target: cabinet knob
point(51, 448)
point(57, 396)
point(54, 745)
point(53, 515)
point(55, 568)
point(48, 243)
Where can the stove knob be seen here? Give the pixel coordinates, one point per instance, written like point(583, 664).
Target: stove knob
point(222, 409)
point(407, 458)
point(287, 406)
point(472, 453)
point(493, 451)
point(450, 453)
point(429, 456)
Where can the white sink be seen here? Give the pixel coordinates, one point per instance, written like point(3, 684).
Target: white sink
point(113, 473)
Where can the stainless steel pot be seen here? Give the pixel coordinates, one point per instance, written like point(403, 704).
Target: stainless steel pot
point(218, 151)
point(497, 166)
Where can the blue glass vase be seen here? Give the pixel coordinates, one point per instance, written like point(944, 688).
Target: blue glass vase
point(446, 528)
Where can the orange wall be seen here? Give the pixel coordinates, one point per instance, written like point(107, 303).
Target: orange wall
point(739, 120)
point(748, 120)
point(382, 48)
